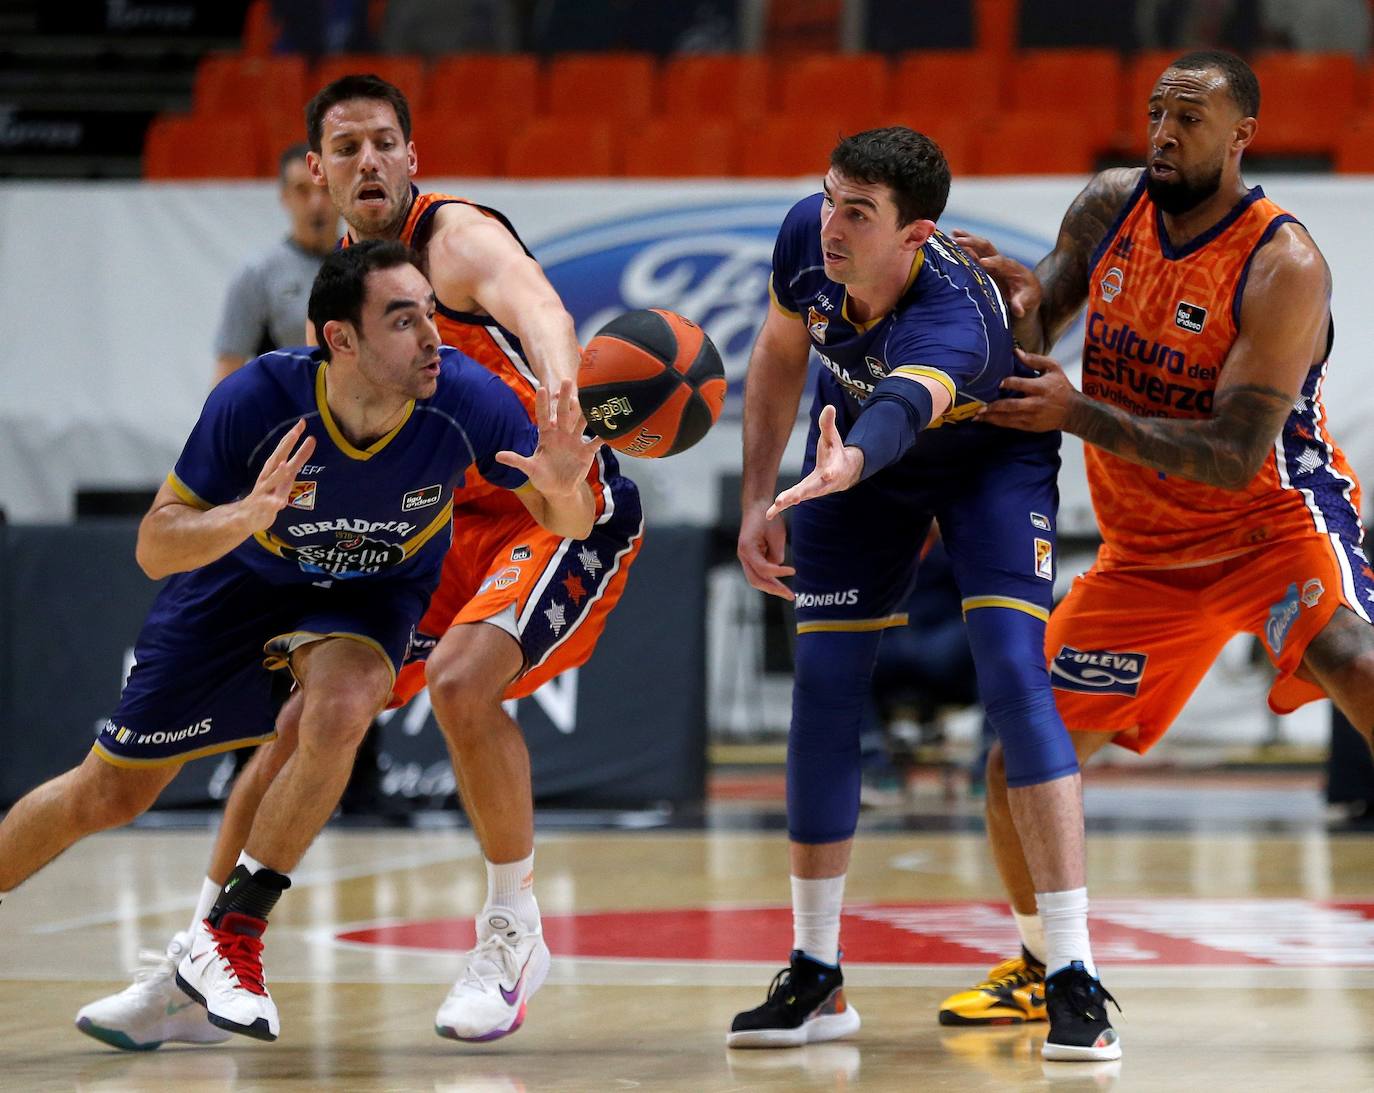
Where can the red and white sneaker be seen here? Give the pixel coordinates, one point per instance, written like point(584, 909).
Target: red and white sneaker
point(223, 972)
point(508, 965)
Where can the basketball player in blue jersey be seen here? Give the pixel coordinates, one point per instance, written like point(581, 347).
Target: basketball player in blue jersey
point(914, 339)
point(306, 520)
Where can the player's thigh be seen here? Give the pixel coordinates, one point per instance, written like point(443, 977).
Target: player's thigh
point(1127, 648)
point(856, 556)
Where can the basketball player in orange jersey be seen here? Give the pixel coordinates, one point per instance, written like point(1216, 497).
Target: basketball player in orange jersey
point(1224, 504)
point(515, 605)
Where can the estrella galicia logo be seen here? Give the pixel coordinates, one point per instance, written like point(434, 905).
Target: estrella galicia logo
point(1190, 317)
point(1098, 671)
point(709, 262)
point(1281, 616)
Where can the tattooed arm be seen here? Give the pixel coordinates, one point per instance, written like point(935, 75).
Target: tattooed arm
point(1283, 329)
point(1043, 303)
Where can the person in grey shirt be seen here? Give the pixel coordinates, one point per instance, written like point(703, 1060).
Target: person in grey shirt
point(265, 306)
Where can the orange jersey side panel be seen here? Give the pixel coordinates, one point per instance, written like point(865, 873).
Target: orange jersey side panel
point(1160, 323)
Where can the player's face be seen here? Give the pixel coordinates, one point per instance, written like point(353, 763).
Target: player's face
point(367, 165)
point(1193, 124)
point(314, 223)
point(398, 343)
point(860, 239)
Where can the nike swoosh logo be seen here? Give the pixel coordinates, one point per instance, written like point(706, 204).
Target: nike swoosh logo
point(199, 956)
point(173, 1008)
point(511, 995)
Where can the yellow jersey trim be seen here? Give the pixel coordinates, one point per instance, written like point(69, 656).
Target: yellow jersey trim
point(916, 264)
point(185, 757)
point(187, 495)
point(778, 303)
point(918, 371)
point(332, 427)
point(1009, 602)
point(850, 626)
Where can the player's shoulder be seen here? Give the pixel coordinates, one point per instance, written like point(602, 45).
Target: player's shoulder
point(282, 373)
point(1289, 264)
point(463, 380)
point(803, 216)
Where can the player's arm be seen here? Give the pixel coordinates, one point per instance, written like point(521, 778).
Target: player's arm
point(1045, 301)
point(227, 363)
point(901, 406)
point(474, 258)
point(1283, 326)
point(177, 535)
point(242, 323)
point(557, 494)
point(772, 393)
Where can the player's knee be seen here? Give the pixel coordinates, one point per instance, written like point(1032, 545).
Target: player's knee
point(996, 803)
point(457, 688)
point(109, 796)
point(337, 718)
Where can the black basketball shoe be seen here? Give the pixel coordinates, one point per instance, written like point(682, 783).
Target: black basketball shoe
point(1079, 1029)
point(805, 1004)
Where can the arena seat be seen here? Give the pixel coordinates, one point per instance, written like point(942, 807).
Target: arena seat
point(457, 146)
point(407, 73)
point(790, 146)
point(854, 87)
point(229, 82)
point(1306, 101)
point(617, 87)
point(1355, 148)
point(491, 86)
point(682, 146)
point(1031, 142)
point(938, 80)
point(717, 85)
point(562, 148)
point(184, 146)
point(1084, 83)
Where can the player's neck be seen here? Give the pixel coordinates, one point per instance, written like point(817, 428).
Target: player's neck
point(363, 412)
point(1195, 221)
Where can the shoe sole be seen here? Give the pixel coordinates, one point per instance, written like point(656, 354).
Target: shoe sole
point(832, 1026)
point(951, 1018)
point(113, 1037)
point(536, 978)
point(258, 1030)
point(1067, 1053)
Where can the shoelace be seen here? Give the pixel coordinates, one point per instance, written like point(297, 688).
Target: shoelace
point(498, 956)
point(153, 969)
point(781, 982)
point(1085, 994)
point(243, 954)
point(1010, 973)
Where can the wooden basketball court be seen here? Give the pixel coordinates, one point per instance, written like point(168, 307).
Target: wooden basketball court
point(1237, 934)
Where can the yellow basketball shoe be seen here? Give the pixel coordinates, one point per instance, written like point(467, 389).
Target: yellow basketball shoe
point(1012, 994)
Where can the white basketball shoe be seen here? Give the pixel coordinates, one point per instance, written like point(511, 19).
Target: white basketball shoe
point(151, 1011)
point(506, 967)
point(222, 970)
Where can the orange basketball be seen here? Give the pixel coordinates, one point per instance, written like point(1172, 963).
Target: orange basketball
point(651, 383)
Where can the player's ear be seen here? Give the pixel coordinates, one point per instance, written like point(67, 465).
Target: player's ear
point(917, 232)
point(339, 336)
point(1243, 134)
point(412, 160)
point(316, 168)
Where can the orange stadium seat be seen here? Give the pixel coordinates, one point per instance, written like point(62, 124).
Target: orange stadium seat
point(678, 146)
point(789, 146)
point(228, 82)
point(607, 86)
point(1082, 82)
point(947, 81)
point(492, 86)
point(180, 146)
point(562, 148)
point(853, 86)
point(956, 138)
point(458, 147)
point(1306, 101)
point(259, 29)
point(407, 73)
point(1027, 142)
point(1355, 149)
point(280, 129)
point(717, 85)
point(802, 26)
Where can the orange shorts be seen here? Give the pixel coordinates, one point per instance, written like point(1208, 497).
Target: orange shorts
point(1128, 645)
point(552, 595)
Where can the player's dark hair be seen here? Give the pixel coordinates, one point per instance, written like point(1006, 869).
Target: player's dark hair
point(365, 86)
point(340, 286)
point(288, 157)
point(1241, 81)
point(908, 162)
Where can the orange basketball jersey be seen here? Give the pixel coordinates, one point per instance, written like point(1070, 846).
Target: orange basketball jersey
point(1161, 320)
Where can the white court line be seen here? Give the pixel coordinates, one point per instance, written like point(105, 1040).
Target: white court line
point(306, 878)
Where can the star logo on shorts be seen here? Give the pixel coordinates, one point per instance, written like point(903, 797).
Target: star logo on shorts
point(590, 559)
point(576, 592)
point(556, 617)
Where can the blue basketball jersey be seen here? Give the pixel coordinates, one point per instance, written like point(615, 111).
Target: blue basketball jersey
point(383, 511)
point(949, 324)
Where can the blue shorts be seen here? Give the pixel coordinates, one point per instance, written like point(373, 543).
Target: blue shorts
point(203, 678)
point(994, 495)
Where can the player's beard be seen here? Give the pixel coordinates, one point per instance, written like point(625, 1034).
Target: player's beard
point(1182, 194)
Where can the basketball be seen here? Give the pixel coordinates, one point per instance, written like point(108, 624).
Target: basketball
point(651, 383)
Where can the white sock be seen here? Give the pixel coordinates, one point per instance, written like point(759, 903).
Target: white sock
point(250, 863)
point(1032, 932)
point(1065, 915)
point(816, 917)
point(209, 892)
point(511, 884)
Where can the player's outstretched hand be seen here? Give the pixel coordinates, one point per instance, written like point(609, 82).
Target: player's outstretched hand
point(1046, 399)
point(760, 550)
point(837, 468)
point(272, 490)
point(1019, 286)
point(563, 456)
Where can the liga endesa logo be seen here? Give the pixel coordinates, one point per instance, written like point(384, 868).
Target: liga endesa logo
point(711, 263)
